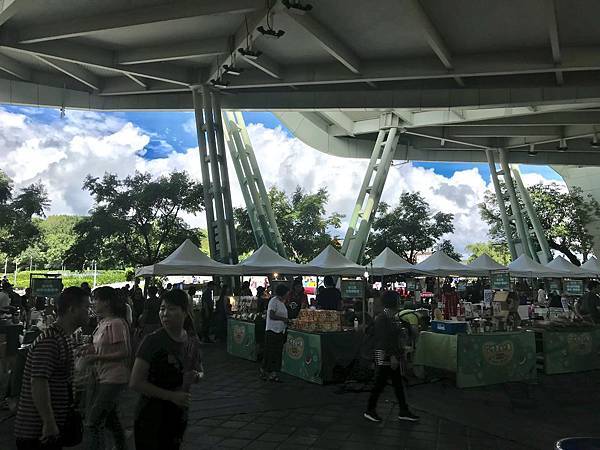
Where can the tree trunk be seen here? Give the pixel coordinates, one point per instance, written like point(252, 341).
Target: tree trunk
point(565, 251)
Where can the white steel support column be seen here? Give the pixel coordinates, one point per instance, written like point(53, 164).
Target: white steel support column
point(213, 166)
point(522, 229)
point(372, 187)
point(532, 213)
point(501, 205)
point(258, 204)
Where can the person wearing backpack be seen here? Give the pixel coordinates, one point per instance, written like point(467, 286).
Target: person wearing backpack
point(386, 336)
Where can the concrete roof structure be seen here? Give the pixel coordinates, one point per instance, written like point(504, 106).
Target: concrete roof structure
point(462, 75)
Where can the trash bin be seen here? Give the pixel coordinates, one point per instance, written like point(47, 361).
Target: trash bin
point(578, 443)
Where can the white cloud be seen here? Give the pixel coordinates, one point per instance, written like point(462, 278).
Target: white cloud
point(62, 153)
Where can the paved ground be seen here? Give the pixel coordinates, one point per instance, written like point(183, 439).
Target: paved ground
point(232, 408)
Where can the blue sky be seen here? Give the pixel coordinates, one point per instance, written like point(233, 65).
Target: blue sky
point(167, 134)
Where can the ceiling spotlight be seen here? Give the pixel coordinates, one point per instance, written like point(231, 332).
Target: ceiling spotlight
point(595, 143)
point(442, 142)
point(270, 32)
point(220, 83)
point(250, 54)
point(230, 70)
point(296, 7)
point(562, 145)
point(531, 151)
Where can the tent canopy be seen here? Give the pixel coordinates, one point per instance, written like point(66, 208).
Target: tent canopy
point(524, 266)
point(265, 261)
point(440, 264)
point(187, 259)
point(390, 263)
point(560, 263)
point(592, 265)
point(485, 263)
point(332, 262)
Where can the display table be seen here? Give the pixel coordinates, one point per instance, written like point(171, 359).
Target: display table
point(244, 339)
point(479, 359)
point(569, 350)
point(315, 356)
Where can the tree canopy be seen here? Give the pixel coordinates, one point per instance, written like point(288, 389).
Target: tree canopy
point(409, 228)
point(564, 216)
point(302, 221)
point(136, 220)
point(498, 252)
point(17, 211)
point(448, 248)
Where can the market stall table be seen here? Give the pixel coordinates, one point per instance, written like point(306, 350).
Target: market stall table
point(479, 359)
point(245, 339)
point(568, 349)
point(315, 356)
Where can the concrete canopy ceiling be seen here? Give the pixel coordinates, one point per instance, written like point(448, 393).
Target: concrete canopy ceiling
point(463, 75)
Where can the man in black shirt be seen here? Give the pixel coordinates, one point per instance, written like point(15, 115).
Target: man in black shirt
point(207, 309)
point(589, 303)
point(329, 298)
point(388, 355)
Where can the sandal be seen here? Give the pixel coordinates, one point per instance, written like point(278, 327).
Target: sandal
point(274, 379)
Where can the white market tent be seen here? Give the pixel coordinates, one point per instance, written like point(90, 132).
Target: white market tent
point(390, 263)
point(266, 261)
point(592, 265)
point(486, 264)
point(332, 262)
point(440, 264)
point(187, 259)
point(560, 263)
point(526, 267)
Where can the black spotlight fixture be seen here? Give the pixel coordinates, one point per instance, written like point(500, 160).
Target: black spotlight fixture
point(562, 145)
point(595, 144)
point(296, 7)
point(270, 32)
point(250, 54)
point(230, 70)
point(532, 151)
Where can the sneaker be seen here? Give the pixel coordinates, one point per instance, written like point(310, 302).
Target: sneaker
point(372, 416)
point(408, 416)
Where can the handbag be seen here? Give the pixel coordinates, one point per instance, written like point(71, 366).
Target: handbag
point(71, 433)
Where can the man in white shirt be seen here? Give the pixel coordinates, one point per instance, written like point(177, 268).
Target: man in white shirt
point(277, 318)
point(541, 295)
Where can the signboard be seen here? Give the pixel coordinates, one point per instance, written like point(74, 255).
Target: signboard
point(554, 285)
point(573, 287)
point(46, 287)
point(411, 284)
point(352, 288)
point(500, 281)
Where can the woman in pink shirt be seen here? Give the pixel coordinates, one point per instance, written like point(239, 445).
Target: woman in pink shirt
point(112, 351)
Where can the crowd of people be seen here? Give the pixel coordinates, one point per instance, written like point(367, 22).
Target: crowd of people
point(147, 342)
point(161, 365)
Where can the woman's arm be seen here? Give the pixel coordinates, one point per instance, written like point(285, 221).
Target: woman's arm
point(139, 383)
point(273, 316)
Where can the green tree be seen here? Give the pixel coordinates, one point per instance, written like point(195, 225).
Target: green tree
point(17, 211)
point(136, 220)
point(498, 252)
point(57, 236)
point(448, 248)
point(564, 216)
point(302, 222)
point(409, 228)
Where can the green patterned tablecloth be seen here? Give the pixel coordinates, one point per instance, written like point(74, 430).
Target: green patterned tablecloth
point(571, 350)
point(479, 359)
point(314, 357)
point(436, 350)
point(244, 338)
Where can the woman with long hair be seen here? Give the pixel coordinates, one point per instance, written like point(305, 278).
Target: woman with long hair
point(111, 356)
point(167, 364)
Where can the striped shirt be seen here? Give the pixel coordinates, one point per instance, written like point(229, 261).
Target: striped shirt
point(50, 357)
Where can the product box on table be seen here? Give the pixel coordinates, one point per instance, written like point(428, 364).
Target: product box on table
point(448, 326)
